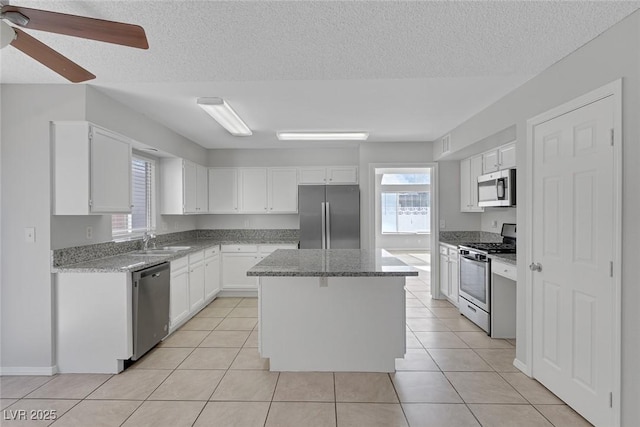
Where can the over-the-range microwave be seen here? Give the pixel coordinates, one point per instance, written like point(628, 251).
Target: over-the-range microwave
point(497, 189)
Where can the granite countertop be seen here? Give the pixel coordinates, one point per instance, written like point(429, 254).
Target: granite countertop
point(127, 262)
point(330, 263)
point(506, 258)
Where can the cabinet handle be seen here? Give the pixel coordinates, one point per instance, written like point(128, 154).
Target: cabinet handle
point(471, 308)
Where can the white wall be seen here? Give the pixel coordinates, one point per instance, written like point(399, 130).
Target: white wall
point(381, 154)
point(614, 54)
point(449, 200)
point(26, 318)
point(500, 216)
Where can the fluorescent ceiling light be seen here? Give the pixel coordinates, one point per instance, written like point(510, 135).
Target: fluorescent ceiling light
point(323, 136)
point(224, 114)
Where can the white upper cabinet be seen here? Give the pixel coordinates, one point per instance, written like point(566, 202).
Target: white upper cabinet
point(91, 170)
point(253, 190)
point(283, 190)
point(342, 175)
point(223, 190)
point(503, 157)
point(183, 186)
point(329, 175)
point(470, 170)
point(507, 156)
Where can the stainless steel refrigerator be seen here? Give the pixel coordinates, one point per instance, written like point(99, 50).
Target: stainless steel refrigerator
point(329, 216)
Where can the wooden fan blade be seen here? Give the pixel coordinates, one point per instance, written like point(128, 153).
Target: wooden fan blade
point(50, 58)
point(82, 26)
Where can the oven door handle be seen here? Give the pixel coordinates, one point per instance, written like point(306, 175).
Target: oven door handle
point(474, 260)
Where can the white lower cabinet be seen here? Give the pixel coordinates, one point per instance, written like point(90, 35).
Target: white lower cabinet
point(211, 273)
point(449, 274)
point(237, 259)
point(179, 295)
point(196, 281)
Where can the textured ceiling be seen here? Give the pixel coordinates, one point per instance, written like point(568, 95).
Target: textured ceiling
point(404, 71)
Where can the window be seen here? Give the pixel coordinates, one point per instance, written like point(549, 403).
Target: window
point(405, 203)
point(142, 217)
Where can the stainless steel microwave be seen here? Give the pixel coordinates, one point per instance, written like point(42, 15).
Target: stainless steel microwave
point(497, 189)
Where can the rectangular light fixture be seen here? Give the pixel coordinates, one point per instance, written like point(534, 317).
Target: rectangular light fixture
point(323, 136)
point(224, 114)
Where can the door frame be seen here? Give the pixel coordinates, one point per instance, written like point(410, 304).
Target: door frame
point(613, 89)
point(434, 239)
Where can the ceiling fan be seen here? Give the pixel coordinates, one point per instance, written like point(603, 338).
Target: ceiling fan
point(70, 25)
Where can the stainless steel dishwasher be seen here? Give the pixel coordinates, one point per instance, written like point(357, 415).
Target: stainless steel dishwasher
point(150, 308)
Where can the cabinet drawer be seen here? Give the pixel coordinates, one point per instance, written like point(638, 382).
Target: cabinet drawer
point(444, 250)
point(453, 253)
point(240, 248)
point(179, 264)
point(211, 251)
point(502, 269)
point(196, 257)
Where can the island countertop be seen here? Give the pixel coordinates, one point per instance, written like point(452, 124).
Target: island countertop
point(331, 263)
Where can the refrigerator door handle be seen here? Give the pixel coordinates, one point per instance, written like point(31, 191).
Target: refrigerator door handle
point(324, 225)
point(328, 215)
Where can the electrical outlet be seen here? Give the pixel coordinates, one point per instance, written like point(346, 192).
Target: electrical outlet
point(30, 234)
point(89, 233)
point(494, 224)
point(443, 223)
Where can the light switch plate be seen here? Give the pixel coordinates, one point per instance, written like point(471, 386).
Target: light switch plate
point(30, 234)
point(443, 223)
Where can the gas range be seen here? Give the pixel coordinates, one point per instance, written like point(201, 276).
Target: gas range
point(487, 248)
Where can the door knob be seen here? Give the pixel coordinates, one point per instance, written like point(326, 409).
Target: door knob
point(535, 266)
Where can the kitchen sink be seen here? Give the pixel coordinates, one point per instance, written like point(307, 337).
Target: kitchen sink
point(153, 252)
point(166, 250)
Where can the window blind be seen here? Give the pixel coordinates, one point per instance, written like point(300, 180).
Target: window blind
point(141, 217)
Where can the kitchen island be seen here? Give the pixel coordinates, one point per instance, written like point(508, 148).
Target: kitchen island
point(331, 310)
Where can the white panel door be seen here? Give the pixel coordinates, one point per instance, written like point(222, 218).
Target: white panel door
point(202, 193)
point(196, 285)
point(573, 186)
point(234, 271)
point(179, 296)
point(211, 277)
point(444, 275)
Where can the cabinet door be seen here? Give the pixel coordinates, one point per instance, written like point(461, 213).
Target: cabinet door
point(444, 275)
point(211, 277)
point(490, 162)
point(110, 173)
point(314, 175)
point(465, 185)
point(475, 172)
point(179, 297)
point(196, 286)
point(507, 156)
point(223, 190)
point(454, 282)
point(189, 183)
point(342, 175)
point(253, 190)
point(202, 193)
point(234, 271)
point(283, 190)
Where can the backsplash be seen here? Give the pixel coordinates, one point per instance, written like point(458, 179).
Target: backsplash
point(76, 254)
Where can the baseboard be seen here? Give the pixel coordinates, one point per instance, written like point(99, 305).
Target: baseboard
point(521, 366)
point(245, 294)
point(26, 370)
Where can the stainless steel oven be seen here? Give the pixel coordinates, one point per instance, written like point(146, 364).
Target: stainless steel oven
point(475, 285)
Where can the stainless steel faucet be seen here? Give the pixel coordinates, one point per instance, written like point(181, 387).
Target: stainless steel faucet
point(146, 238)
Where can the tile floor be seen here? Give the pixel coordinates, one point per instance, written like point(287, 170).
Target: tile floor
point(209, 373)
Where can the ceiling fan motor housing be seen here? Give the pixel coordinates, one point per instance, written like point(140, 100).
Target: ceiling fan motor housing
point(7, 35)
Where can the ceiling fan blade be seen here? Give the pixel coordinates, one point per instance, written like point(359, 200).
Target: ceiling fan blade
point(50, 58)
point(81, 26)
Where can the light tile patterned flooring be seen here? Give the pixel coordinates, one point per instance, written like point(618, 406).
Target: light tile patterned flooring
point(209, 373)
